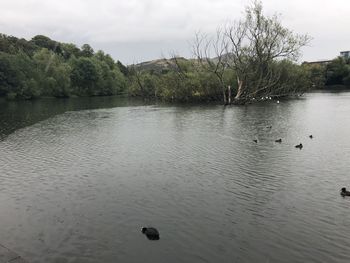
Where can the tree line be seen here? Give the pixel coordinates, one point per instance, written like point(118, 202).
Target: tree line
point(249, 59)
point(43, 67)
point(331, 74)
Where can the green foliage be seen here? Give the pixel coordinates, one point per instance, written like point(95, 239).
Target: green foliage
point(45, 42)
point(44, 67)
point(53, 74)
point(123, 69)
point(184, 81)
point(346, 80)
point(16, 76)
point(111, 81)
point(338, 72)
point(29, 89)
point(70, 50)
point(8, 74)
point(317, 75)
point(87, 51)
point(294, 79)
point(14, 45)
point(84, 76)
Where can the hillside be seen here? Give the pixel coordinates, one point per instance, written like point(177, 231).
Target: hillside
point(160, 65)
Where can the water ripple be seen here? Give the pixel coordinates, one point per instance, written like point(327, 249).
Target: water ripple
point(77, 187)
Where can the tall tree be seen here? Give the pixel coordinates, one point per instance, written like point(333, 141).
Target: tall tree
point(46, 42)
point(84, 76)
point(256, 43)
point(87, 51)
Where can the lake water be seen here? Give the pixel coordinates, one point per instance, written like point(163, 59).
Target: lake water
point(80, 177)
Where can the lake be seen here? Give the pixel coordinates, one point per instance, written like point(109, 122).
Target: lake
point(80, 177)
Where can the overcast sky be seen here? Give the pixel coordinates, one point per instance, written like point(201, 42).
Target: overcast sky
point(139, 30)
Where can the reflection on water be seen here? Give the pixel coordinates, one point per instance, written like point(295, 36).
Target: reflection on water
point(18, 114)
point(77, 187)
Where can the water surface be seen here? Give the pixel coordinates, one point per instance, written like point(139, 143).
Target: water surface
point(78, 182)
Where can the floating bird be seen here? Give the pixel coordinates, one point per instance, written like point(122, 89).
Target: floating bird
point(151, 233)
point(279, 140)
point(278, 101)
point(268, 127)
point(311, 136)
point(300, 146)
point(256, 141)
point(343, 192)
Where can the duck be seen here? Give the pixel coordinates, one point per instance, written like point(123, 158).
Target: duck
point(150, 232)
point(279, 140)
point(300, 146)
point(344, 192)
point(255, 140)
point(310, 136)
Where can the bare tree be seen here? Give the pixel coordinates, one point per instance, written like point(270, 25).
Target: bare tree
point(211, 55)
point(256, 44)
point(175, 63)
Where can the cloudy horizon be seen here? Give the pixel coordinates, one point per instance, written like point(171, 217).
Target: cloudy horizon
point(141, 30)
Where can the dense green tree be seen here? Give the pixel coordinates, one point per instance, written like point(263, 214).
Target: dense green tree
point(17, 76)
point(63, 86)
point(346, 80)
point(317, 74)
point(10, 77)
point(106, 58)
point(54, 73)
point(44, 67)
point(13, 45)
point(337, 72)
point(84, 76)
point(87, 50)
point(29, 89)
point(123, 69)
point(46, 42)
point(69, 50)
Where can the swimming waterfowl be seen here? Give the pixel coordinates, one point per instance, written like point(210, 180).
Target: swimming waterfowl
point(311, 136)
point(151, 233)
point(256, 141)
point(343, 192)
point(299, 146)
point(279, 140)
